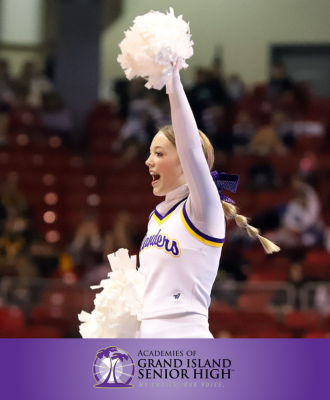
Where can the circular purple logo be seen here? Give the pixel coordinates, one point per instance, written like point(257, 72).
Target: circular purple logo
point(113, 368)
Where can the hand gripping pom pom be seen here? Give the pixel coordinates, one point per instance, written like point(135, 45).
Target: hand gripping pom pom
point(118, 308)
point(153, 46)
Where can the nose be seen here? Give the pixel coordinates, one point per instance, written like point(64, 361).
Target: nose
point(149, 161)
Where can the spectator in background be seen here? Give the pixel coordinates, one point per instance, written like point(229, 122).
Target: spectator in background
point(235, 88)
point(22, 291)
point(50, 60)
point(233, 262)
point(45, 257)
point(275, 138)
point(3, 211)
point(284, 128)
point(3, 217)
point(322, 298)
point(6, 97)
point(20, 100)
point(148, 110)
point(213, 122)
point(120, 236)
point(6, 93)
point(121, 88)
point(301, 223)
point(208, 91)
point(266, 142)
point(212, 108)
point(159, 112)
point(12, 243)
point(133, 135)
point(35, 83)
point(4, 123)
point(12, 198)
point(279, 84)
point(308, 168)
point(243, 131)
point(288, 298)
point(55, 116)
point(232, 269)
point(262, 175)
point(86, 248)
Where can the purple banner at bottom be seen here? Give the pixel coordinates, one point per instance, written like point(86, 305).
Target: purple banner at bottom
point(230, 369)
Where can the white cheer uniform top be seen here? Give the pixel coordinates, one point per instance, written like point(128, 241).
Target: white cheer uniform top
point(180, 253)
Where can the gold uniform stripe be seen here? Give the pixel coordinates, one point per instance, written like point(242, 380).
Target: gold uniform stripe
point(161, 221)
point(195, 235)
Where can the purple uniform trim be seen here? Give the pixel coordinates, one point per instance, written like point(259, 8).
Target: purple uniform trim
point(160, 217)
point(197, 231)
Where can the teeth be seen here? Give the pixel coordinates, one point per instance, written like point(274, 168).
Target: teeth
point(154, 174)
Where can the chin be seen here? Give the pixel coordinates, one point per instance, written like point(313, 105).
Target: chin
point(158, 192)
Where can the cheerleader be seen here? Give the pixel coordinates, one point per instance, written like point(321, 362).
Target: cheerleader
point(180, 253)
point(179, 256)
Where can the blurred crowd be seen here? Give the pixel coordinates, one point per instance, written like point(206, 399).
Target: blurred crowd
point(26, 255)
point(220, 109)
point(32, 91)
point(260, 122)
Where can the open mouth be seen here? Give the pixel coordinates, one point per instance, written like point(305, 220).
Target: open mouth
point(155, 179)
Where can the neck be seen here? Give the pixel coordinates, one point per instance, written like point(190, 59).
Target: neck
point(173, 198)
point(179, 193)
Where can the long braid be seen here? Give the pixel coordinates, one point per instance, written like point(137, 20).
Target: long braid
point(241, 221)
point(229, 209)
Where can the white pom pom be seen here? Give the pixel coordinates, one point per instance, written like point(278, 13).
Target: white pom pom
point(153, 46)
point(118, 308)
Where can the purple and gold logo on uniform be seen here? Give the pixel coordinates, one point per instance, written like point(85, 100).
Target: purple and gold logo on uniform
point(162, 241)
point(113, 368)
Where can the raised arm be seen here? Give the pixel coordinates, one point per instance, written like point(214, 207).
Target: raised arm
point(204, 206)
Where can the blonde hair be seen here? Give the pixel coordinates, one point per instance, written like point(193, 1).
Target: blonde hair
point(229, 209)
point(205, 142)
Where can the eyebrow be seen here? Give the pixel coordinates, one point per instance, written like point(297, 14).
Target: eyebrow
point(157, 147)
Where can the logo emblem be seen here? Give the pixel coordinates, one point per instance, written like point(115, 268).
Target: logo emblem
point(113, 368)
point(176, 296)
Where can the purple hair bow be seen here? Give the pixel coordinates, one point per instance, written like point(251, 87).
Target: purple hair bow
point(225, 181)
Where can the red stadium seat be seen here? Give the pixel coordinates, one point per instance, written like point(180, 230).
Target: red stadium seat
point(273, 334)
point(315, 335)
point(272, 199)
point(259, 91)
point(286, 165)
point(318, 109)
point(326, 323)
point(250, 324)
point(279, 263)
point(11, 318)
point(315, 270)
point(55, 317)
point(256, 257)
point(318, 257)
point(256, 318)
point(302, 320)
point(317, 264)
point(277, 276)
point(314, 144)
point(40, 332)
point(254, 301)
point(220, 321)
